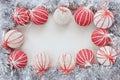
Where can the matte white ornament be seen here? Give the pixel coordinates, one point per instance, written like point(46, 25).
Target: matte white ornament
point(62, 15)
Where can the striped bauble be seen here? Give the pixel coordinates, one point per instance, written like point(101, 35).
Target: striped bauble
point(39, 15)
point(103, 18)
point(85, 58)
point(13, 39)
point(101, 37)
point(106, 55)
point(21, 16)
point(41, 63)
point(66, 63)
point(17, 59)
point(83, 16)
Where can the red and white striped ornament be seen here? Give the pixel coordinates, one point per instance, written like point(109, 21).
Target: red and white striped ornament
point(103, 18)
point(101, 37)
point(21, 16)
point(41, 63)
point(85, 58)
point(106, 55)
point(66, 63)
point(39, 15)
point(13, 39)
point(83, 16)
point(17, 59)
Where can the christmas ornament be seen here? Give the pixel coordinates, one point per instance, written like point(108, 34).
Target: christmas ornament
point(17, 59)
point(66, 63)
point(106, 55)
point(101, 37)
point(39, 15)
point(103, 18)
point(62, 15)
point(21, 16)
point(13, 39)
point(83, 16)
point(41, 64)
point(85, 58)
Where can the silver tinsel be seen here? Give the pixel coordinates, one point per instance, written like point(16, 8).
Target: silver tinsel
point(50, 5)
point(114, 6)
point(98, 4)
point(96, 72)
point(72, 4)
point(6, 8)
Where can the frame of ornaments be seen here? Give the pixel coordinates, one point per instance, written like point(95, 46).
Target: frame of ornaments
point(85, 58)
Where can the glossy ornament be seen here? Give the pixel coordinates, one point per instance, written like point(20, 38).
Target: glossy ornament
point(106, 55)
point(13, 39)
point(83, 16)
point(39, 15)
point(85, 58)
point(101, 37)
point(103, 19)
point(17, 59)
point(21, 16)
point(66, 63)
point(41, 63)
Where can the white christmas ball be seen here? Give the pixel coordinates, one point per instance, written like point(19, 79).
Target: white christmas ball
point(62, 15)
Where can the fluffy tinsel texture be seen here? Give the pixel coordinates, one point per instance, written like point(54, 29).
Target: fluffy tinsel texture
point(96, 72)
point(49, 4)
point(5, 14)
point(72, 4)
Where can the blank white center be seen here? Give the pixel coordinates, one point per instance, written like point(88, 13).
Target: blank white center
point(55, 39)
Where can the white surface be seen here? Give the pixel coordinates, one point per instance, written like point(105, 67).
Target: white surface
point(56, 40)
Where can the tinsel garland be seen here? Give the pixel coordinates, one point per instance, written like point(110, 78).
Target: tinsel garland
point(96, 72)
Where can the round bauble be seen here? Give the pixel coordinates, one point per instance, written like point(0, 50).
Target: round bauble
point(13, 39)
point(101, 37)
point(17, 59)
point(106, 55)
point(83, 16)
point(62, 15)
point(85, 58)
point(21, 16)
point(103, 19)
point(41, 63)
point(66, 63)
point(39, 15)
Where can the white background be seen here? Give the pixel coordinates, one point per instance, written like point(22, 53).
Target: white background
point(55, 39)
